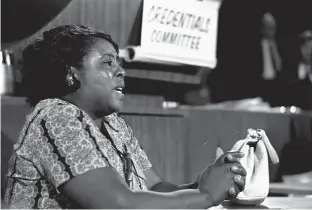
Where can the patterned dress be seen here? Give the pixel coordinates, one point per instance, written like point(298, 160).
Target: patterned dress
point(58, 142)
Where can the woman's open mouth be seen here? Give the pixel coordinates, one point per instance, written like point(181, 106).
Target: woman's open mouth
point(119, 90)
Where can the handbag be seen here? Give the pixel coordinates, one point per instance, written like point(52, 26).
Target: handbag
point(257, 148)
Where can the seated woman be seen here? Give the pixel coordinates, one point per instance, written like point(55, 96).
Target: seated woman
point(74, 151)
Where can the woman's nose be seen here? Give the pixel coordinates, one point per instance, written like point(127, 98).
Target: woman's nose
point(121, 72)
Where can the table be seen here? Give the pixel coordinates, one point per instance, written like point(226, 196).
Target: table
point(291, 188)
point(273, 203)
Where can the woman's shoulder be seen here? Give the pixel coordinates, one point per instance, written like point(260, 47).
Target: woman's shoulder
point(56, 107)
point(51, 111)
point(46, 115)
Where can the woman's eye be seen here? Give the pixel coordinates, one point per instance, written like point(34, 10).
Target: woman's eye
point(108, 62)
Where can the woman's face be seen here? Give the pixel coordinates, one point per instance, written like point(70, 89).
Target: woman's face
point(102, 79)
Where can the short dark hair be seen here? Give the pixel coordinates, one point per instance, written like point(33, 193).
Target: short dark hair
point(46, 61)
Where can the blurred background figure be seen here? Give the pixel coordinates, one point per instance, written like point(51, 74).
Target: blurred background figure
point(249, 61)
point(299, 92)
point(304, 69)
point(264, 56)
point(272, 63)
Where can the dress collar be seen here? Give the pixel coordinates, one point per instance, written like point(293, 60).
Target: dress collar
point(112, 120)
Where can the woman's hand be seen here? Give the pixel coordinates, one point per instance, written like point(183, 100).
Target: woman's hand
point(224, 178)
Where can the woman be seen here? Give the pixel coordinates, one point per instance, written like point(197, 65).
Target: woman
point(76, 152)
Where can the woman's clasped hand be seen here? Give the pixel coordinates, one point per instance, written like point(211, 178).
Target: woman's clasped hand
point(223, 179)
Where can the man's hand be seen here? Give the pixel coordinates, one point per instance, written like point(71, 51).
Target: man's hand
point(224, 178)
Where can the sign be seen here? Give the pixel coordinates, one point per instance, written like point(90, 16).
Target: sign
point(183, 31)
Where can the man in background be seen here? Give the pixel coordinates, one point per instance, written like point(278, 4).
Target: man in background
point(299, 92)
point(304, 68)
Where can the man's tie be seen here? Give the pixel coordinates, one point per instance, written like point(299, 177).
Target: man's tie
point(271, 59)
point(276, 59)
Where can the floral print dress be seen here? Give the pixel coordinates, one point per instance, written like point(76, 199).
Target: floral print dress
point(58, 142)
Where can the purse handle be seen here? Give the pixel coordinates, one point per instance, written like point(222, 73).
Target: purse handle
point(259, 134)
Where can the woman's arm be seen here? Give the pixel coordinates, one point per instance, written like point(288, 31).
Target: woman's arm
point(104, 188)
point(170, 187)
point(156, 183)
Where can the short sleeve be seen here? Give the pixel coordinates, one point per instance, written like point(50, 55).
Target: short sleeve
point(137, 151)
point(68, 147)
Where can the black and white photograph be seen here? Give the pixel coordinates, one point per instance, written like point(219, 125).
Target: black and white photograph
point(156, 104)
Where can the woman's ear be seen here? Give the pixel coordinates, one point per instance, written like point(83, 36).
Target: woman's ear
point(74, 72)
point(73, 78)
